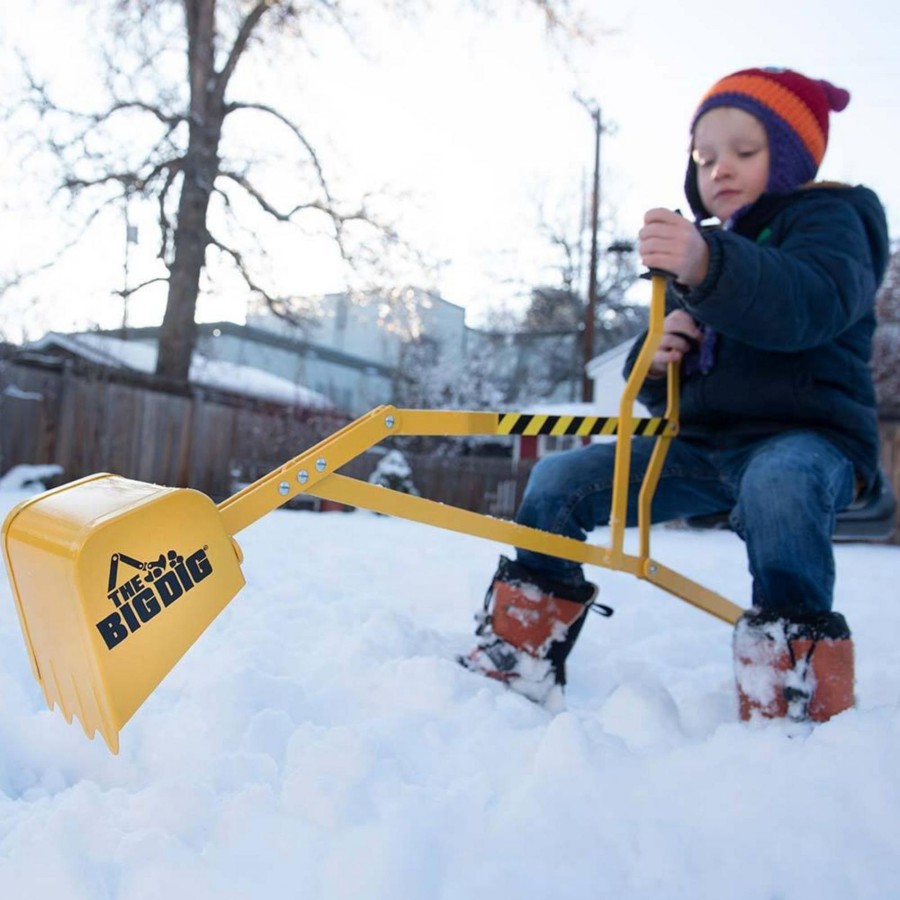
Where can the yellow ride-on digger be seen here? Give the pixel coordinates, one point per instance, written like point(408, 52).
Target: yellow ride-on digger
point(115, 579)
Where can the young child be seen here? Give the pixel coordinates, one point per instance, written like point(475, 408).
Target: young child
point(772, 316)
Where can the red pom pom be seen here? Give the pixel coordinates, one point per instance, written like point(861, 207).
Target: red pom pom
point(838, 98)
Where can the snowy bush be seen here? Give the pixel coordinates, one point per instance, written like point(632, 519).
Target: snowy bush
point(21, 478)
point(393, 472)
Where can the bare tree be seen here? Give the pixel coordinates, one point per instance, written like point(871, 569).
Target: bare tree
point(554, 326)
point(181, 165)
point(163, 136)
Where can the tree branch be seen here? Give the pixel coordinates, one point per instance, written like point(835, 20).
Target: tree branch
point(246, 29)
point(44, 105)
point(295, 130)
point(282, 305)
point(127, 292)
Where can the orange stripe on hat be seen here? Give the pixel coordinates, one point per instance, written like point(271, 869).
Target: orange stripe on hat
point(781, 101)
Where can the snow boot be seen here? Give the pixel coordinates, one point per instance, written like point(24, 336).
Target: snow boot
point(527, 629)
point(799, 668)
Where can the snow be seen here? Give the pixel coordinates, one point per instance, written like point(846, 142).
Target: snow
point(319, 741)
point(19, 478)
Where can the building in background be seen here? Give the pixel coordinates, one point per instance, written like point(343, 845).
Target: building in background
point(347, 358)
point(352, 350)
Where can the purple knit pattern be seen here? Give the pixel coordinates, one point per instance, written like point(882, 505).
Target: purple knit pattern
point(703, 358)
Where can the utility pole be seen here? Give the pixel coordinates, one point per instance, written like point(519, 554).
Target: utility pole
point(131, 237)
point(587, 386)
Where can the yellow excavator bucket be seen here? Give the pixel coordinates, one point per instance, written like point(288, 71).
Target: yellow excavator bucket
point(114, 580)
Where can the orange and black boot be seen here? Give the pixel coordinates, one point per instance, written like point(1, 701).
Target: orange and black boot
point(799, 668)
point(527, 629)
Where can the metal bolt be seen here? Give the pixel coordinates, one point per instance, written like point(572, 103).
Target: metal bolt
point(321, 464)
point(284, 488)
point(303, 476)
point(389, 421)
point(652, 568)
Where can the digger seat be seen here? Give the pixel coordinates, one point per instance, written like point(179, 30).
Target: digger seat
point(872, 516)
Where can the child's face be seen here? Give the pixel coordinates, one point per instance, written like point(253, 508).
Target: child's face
point(731, 152)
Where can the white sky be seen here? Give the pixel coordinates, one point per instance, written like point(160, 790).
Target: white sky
point(473, 119)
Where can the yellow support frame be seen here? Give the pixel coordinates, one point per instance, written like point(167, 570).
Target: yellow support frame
point(101, 636)
point(315, 472)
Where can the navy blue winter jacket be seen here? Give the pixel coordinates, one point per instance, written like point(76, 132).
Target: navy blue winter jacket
point(790, 293)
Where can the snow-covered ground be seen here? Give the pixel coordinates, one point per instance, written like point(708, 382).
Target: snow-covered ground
point(320, 742)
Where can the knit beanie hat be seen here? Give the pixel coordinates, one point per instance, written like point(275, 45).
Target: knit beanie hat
point(794, 111)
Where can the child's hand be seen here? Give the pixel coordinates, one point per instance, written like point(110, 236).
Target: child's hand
point(672, 243)
point(680, 332)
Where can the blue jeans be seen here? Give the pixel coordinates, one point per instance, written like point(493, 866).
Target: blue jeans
point(782, 494)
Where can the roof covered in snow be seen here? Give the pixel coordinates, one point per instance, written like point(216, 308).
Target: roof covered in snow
point(137, 356)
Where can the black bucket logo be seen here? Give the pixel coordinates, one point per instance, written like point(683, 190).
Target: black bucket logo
point(156, 586)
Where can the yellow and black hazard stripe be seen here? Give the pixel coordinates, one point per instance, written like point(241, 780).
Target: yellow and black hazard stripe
point(578, 426)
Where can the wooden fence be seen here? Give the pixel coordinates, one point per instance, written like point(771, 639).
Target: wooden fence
point(90, 423)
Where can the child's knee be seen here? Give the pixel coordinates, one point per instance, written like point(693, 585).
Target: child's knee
point(782, 485)
point(544, 476)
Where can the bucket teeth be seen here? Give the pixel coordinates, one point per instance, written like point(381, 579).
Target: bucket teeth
point(87, 709)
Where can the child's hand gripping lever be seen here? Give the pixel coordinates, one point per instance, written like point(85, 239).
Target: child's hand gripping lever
point(678, 334)
point(670, 242)
point(651, 272)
